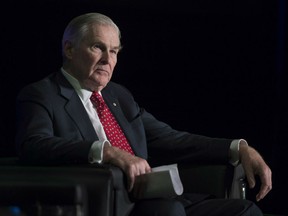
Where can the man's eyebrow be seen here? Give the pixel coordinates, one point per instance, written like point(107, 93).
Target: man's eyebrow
point(103, 44)
point(118, 47)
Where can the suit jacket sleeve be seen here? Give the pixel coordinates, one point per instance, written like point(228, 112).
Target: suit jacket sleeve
point(167, 145)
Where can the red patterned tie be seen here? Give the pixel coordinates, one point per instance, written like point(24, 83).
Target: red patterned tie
point(112, 129)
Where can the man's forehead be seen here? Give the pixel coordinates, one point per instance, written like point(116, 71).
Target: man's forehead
point(102, 36)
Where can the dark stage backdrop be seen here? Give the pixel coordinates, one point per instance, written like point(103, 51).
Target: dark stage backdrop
point(218, 64)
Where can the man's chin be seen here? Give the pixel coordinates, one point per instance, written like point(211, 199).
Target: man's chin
point(94, 85)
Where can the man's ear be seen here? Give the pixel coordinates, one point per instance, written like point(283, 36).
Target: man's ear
point(68, 49)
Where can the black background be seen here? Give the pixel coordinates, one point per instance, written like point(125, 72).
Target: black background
point(220, 64)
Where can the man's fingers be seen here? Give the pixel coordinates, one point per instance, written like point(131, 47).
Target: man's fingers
point(135, 169)
point(266, 184)
point(250, 177)
point(131, 181)
point(251, 181)
point(264, 190)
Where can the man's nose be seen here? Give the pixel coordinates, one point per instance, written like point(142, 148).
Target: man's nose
point(105, 57)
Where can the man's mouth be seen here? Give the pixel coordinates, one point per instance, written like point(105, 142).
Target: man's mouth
point(101, 71)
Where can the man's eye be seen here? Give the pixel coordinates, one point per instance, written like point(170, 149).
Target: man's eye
point(114, 51)
point(96, 46)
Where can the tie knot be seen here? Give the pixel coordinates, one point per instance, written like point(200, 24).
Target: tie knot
point(97, 99)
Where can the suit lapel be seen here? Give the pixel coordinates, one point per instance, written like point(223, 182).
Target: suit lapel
point(114, 106)
point(76, 110)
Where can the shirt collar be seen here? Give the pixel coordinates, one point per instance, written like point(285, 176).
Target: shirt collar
point(84, 94)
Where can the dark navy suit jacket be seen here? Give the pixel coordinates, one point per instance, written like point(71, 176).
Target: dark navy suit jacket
point(53, 127)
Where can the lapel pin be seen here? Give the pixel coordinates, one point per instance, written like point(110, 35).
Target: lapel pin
point(114, 104)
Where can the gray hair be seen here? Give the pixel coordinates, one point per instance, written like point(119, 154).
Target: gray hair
point(79, 26)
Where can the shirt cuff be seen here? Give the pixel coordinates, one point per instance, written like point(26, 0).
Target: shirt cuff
point(234, 151)
point(96, 152)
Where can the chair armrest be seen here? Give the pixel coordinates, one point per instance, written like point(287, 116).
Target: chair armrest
point(105, 186)
point(238, 187)
point(96, 181)
point(221, 181)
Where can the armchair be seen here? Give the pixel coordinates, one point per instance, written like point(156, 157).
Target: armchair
point(89, 190)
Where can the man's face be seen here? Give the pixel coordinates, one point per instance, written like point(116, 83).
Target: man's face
point(92, 62)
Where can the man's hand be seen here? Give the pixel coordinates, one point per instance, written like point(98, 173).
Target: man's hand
point(130, 164)
point(254, 164)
